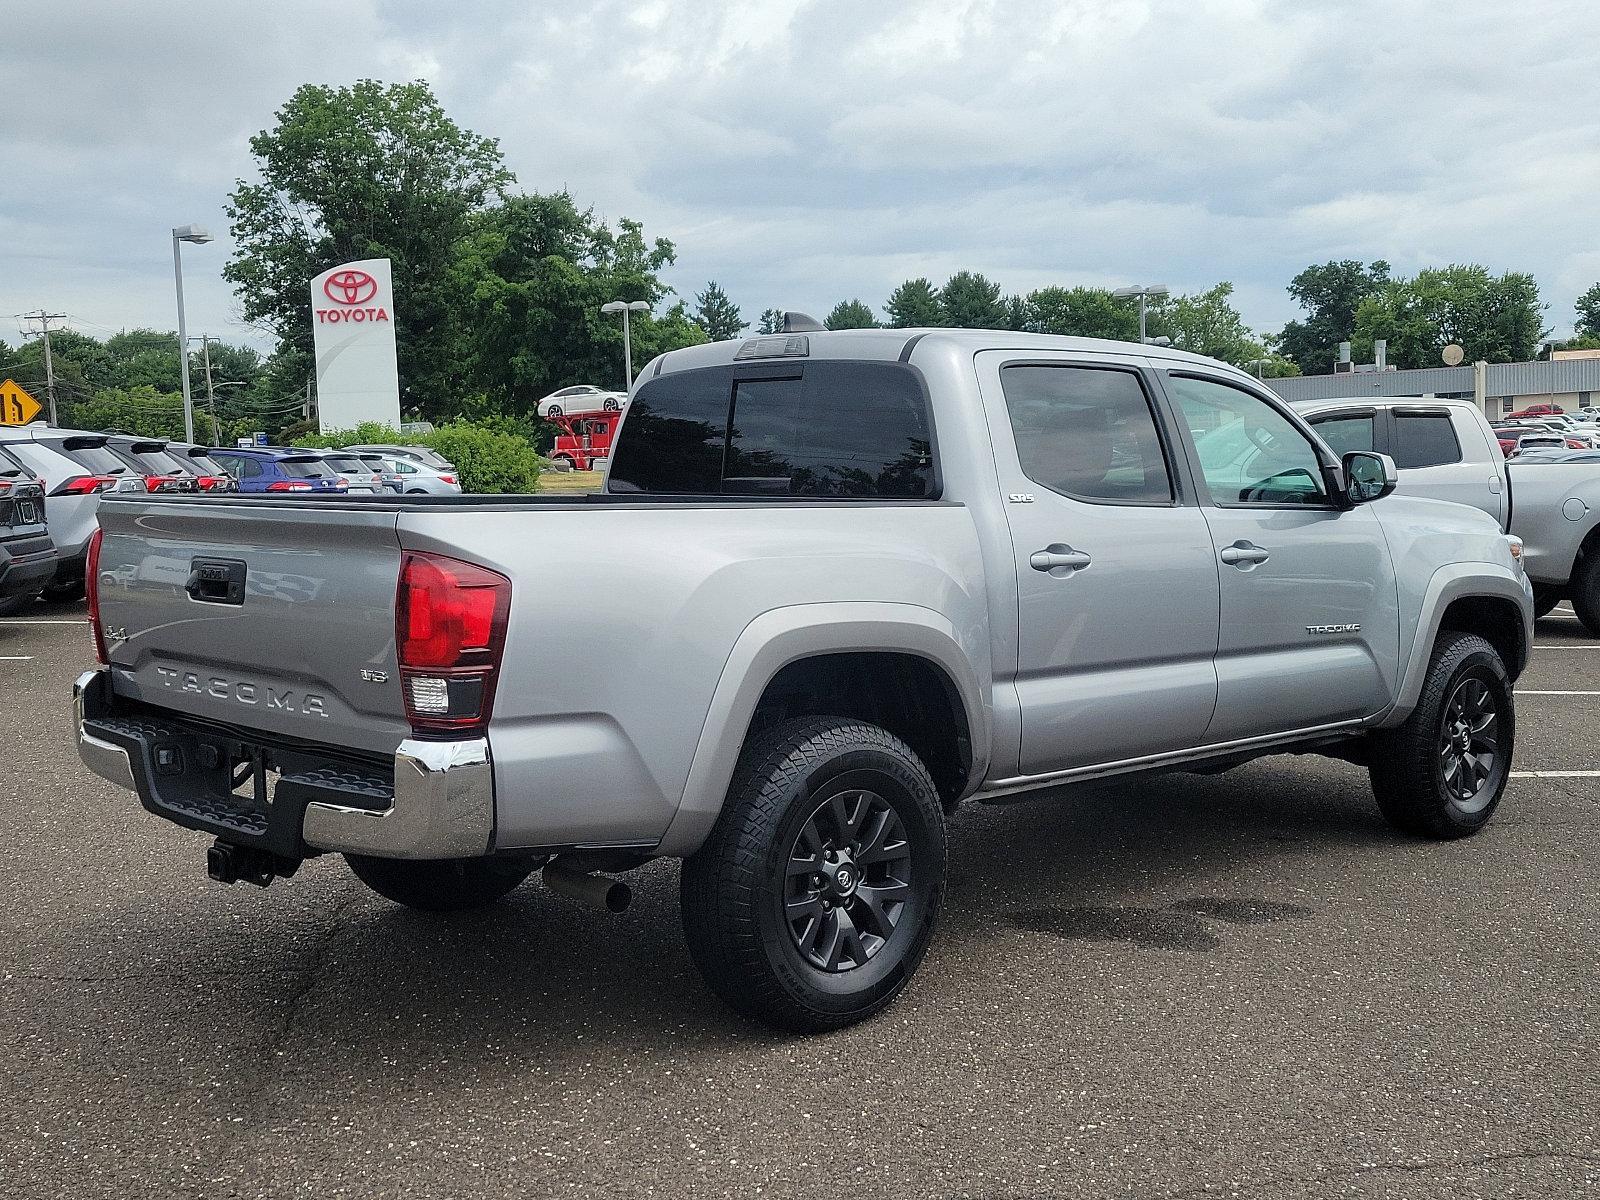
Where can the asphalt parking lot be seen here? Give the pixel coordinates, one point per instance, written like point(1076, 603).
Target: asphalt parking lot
point(1234, 985)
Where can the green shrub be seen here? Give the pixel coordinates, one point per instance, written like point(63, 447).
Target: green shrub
point(486, 459)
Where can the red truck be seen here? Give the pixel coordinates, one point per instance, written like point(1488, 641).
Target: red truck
point(584, 441)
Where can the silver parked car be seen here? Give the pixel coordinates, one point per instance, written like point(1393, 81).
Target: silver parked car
point(418, 479)
point(416, 454)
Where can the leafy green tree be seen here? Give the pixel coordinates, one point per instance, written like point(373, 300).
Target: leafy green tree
point(914, 305)
point(1329, 293)
point(1492, 318)
point(1205, 323)
point(850, 314)
point(365, 171)
point(140, 410)
point(971, 301)
point(533, 273)
point(1080, 312)
point(771, 321)
point(1588, 311)
point(717, 315)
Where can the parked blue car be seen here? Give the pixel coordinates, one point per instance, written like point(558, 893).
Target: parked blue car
point(274, 469)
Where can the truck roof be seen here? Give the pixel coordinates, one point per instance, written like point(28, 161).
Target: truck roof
point(896, 344)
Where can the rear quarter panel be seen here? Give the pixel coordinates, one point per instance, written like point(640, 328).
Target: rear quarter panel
point(623, 619)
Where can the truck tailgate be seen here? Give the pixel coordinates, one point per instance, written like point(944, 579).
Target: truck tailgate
point(271, 617)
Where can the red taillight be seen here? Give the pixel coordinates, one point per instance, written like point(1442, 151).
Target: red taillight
point(83, 484)
point(448, 478)
point(450, 627)
point(288, 485)
point(91, 588)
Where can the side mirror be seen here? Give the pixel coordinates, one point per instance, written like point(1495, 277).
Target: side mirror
point(1368, 476)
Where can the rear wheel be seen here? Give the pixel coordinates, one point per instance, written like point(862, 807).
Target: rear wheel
point(813, 900)
point(442, 884)
point(611, 406)
point(553, 411)
point(12, 605)
point(1441, 774)
point(1585, 593)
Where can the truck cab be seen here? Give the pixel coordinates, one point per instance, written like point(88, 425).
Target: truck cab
point(584, 442)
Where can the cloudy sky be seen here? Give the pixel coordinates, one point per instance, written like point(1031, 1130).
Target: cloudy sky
point(805, 151)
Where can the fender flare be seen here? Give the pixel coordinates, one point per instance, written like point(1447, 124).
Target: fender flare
point(781, 636)
point(1452, 582)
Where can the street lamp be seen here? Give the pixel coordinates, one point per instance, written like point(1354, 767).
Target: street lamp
point(1144, 291)
point(625, 307)
point(197, 235)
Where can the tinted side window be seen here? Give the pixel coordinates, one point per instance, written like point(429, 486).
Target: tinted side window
point(673, 436)
point(841, 429)
point(1086, 433)
point(1424, 440)
point(1344, 434)
point(1250, 453)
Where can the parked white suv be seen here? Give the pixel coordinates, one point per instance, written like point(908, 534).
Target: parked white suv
point(1442, 449)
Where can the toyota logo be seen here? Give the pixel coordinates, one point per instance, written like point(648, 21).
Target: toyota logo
point(350, 287)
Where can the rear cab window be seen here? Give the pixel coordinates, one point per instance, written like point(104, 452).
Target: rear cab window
point(821, 428)
point(1425, 440)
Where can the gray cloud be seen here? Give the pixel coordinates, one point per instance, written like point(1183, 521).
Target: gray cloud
point(803, 152)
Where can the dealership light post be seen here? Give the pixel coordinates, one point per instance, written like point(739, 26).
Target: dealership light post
point(185, 233)
point(1144, 291)
point(625, 307)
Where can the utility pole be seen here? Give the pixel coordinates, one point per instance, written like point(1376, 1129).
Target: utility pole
point(211, 393)
point(44, 319)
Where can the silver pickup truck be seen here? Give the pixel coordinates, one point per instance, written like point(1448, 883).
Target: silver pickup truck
point(837, 583)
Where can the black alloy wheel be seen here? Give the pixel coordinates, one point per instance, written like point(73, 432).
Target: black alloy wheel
point(849, 877)
point(1469, 745)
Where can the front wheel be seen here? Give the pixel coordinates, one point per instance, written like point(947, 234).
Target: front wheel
point(611, 406)
point(813, 900)
point(1441, 774)
point(441, 884)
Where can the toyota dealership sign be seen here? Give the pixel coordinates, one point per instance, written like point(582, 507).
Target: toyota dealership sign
point(352, 320)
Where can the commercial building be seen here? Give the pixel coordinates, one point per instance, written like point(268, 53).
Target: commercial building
point(1569, 378)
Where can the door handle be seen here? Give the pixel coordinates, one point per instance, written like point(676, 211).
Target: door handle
point(1243, 554)
point(1058, 559)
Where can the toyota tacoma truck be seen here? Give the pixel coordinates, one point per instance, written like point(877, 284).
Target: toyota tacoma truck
point(837, 583)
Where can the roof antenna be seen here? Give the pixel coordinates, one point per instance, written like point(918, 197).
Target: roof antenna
point(799, 322)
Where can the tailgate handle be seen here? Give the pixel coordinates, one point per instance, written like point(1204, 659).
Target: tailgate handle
point(216, 580)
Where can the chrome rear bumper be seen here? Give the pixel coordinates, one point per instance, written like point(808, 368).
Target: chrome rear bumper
point(440, 805)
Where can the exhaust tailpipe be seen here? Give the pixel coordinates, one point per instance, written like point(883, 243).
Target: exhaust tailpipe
point(595, 890)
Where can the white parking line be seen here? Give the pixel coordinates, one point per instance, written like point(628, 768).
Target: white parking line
point(1567, 647)
point(1555, 774)
point(16, 658)
point(1535, 692)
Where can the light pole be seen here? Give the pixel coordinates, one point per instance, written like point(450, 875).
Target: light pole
point(185, 233)
point(1144, 291)
point(625, 307)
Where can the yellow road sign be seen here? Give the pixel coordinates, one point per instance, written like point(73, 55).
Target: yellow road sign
point(16, 406)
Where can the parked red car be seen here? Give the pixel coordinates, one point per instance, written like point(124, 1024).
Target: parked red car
point(1536, 410)
point(584, 441)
